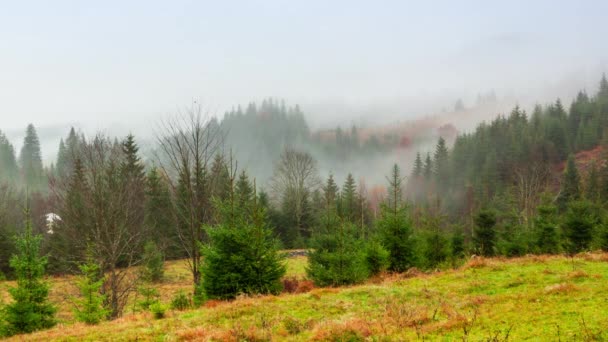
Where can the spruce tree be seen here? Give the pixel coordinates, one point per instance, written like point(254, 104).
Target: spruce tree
point(219, 178)
point(62, 155)
point(395, 228)
point(436, 244)
point(336, 258)
point(348, 199)
point(570, 187)
point(132, 166)
point(417, 170)
point(440, 164)
point(329, 218)
point(579, 223)
point(376, 257)
point(30, 160)
point(485, 234)
point(457, 247)
point(547, 229)
point(89, 307)
point(153, 263)
point(428, 167)
point(30, 309)
point(242, 256)
point(244, 193)
point(133, 177)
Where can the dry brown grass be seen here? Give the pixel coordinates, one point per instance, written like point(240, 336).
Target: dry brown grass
point(351, 330)
point(562, 288)
point(578, 274)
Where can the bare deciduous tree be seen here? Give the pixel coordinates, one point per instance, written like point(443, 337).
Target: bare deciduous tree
point(101, 213)
point(530, 181)
point(295, 178)
point(187, 144)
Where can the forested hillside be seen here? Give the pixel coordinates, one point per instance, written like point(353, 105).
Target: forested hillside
point(101, 210)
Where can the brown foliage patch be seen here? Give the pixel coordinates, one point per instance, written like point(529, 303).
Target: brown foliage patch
point(294, 285)
point(579, 274)
point(562, 288)
point(353, 330)
point(213, 303)
point(412, 272)
point(404, 315)
point(476, 262)
point(195, 334)
point(595, 256)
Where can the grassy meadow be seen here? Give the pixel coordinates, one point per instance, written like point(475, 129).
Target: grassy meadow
point(537, 298)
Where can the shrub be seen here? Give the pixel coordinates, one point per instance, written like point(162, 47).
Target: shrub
point(457, 244)
point(153, 263)
point(199, 297)
point(336, 259)
point(180, 301)
point(242, 258)
point(290, 285)
point(158, 309)
point(579, 223)
point(395, 230)
point(435, 248)
point(293, 326)
point(89, 308)
point(485, 234)
point(150, 297)
point(376, 257)
point(293, 285)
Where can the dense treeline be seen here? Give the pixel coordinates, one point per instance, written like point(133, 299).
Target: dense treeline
point(100, 210)
point(510, 155)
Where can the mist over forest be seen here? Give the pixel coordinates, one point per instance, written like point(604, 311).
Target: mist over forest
point(265, 170)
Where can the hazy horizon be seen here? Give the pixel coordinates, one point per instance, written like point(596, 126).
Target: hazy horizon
point(120, 67)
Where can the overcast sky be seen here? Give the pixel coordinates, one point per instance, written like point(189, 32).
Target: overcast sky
point(124, 63)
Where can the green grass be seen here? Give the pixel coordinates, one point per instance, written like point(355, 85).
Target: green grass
point(530, 298)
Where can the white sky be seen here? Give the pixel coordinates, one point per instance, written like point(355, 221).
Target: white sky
point(123, 64)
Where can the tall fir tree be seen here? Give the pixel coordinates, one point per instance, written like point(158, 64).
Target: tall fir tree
point(219, 178)
point(395, 227)
point(30, 160)
point(440, 165)
point(244, 194)
point(348, 199)
point(329, 218)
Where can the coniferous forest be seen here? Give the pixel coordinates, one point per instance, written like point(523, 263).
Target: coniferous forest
point(529, 182)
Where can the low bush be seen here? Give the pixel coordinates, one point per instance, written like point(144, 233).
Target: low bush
point(158, 310)
point(150, 297)
point(180, 301)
